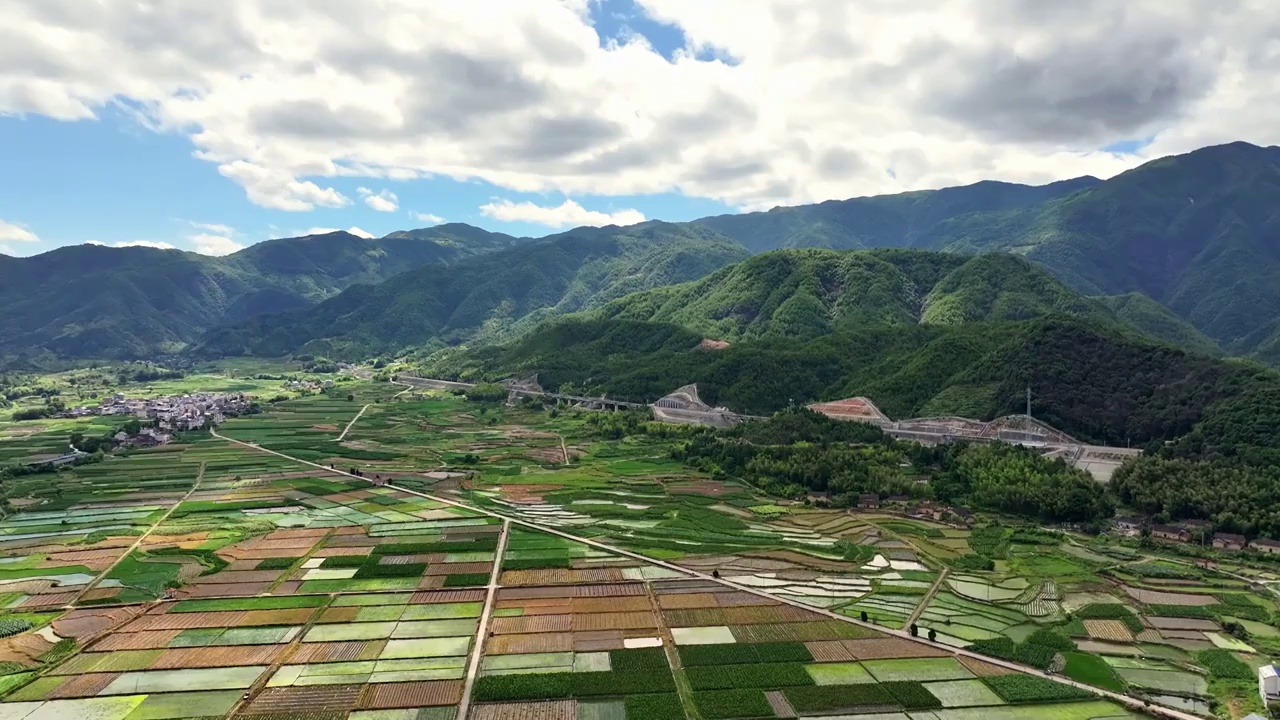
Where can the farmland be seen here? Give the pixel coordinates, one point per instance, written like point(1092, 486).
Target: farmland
point(208, 576)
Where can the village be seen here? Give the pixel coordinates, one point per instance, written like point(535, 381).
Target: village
point(173, 413)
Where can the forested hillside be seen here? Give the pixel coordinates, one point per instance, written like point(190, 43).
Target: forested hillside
point(90, 301)
point(1199, 233)
point(486, 297)
point(808, 293)
point(1101, 384)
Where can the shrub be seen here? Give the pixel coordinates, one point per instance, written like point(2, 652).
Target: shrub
point(1051, 639)
point(1111, 611)
point(665, 706)
point(1161, 570)
point(912, 695)
point(768, 676)
point(825, 698)
point(13, 627)
point(347, 561)
point(654, 658)
point(744, 653)
point(1031, 689)
point(1224, 665)
point(275, 563)
point(466, 580)
point(720, 704)
point(390, 571)
point(540, 686)
point(625, 682)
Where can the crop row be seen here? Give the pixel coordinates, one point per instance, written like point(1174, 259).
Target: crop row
point(1031, 689)
point(768, 676)
point(547, 686)
point(744, 653)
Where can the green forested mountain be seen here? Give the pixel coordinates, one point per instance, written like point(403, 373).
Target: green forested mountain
point(489, 296)
point(89, 301)
point(1158, 321)
point(1199, 233)
point(807, 293)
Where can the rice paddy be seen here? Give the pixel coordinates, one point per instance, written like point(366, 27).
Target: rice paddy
point(208, 579)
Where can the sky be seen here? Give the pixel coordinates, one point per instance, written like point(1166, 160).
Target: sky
point(209, 126)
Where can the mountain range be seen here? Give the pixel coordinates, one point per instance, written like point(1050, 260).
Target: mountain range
point(90, 301)
point(1185, 248)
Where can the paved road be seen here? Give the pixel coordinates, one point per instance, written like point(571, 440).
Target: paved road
point(1125, 700)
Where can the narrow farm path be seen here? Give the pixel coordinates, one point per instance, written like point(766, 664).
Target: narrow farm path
point(1127, 701)
point(260, 684)
point(683, 688)
point(473, 664)
point(347, 429)
point(142, 538)
point(928, 597)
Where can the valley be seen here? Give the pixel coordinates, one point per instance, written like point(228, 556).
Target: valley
point(382, 549)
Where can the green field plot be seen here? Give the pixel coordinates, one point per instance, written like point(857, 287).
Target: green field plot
point(425, 647)
point(839, 673)
point(963, 693)
point(918, 669)
point(1018, 689)
point(1092, 670)
point(1175, 682)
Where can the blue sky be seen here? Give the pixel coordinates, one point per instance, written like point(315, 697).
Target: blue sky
point(111, 180)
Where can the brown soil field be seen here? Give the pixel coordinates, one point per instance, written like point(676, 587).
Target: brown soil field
point(1164, 623)
point(210, 657)
point(800, 631)
point(1108, 630)
point(598, 641)
point(460, 568)
point(88, 622)
point(536, 643)
point(532, 624)
point(429, 693)
point(829, 651)
point(620, 604)
point(288, 701)
point(447, 596)
point(1155, 597)
point(889, 647)
point(687, 601)
point(225, 590)
point(148, 640)
point(615, 621)
point(695, 618)
point(338, 651)
point(246, 576)
point(766, 614)
point(79, 686)
point(548, 710)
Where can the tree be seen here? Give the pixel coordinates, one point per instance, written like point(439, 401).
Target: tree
point(933, 635)
point(863, 616)
point(350, 397)
point(915, 630)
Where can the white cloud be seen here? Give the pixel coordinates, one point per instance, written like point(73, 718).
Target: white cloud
point(144, 243)
point(10, 232)
point(215, 228)
point(813, 99)
point(384, 201)
point(280, 190)
point(566, 214)
point(214, 244)
point(326, 230)
point(427, 218)
point(6, 250)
